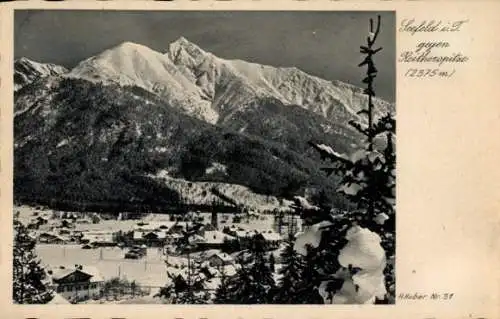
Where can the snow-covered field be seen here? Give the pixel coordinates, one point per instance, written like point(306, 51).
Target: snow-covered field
point(149, 271)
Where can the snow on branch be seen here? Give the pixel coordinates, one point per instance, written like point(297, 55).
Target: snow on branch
point(328, 152)
point(365, 259)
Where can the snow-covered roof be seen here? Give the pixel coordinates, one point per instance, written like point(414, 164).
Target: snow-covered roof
point(197, 237)
point(137, 235)
point(246, 233)
point(53, 235)
point(216, 237)
point(271, 236)
point(158, 234)
point(183, 272)
point(103, 238)
point(86, 269)
point(155, 225)
point(174, 235)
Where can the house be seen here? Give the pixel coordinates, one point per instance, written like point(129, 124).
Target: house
point(220, 259)
point(51, 238)
point(96, 219)
point(245, 237)
point(173, 239)
point(64, 231)
point(204, 255)
point(137, 237)
point(155, 226)
point(272, 238)
point(153, 233)
point(103, 242)
point(152, 238)
point(155, 238)
point(78, 283)
point(99, 239)
point(214, 240)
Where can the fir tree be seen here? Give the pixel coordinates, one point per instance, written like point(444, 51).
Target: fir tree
point(272, 262)
point(240, 286)
point(254, 281)
point(307, 289)
point(222, 292)
point(28, 274)
point(367, 176)
point(189, 286)
point(291, 273)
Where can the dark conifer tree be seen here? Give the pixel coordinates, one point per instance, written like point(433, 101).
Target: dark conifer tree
point(222, 295)
point(290, 282)
point(367, 176)
point(28, 274)
point(189, 287)
point(272, 262)
point(254, 281)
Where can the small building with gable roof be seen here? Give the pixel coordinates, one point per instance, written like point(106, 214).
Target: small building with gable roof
point(77, 283)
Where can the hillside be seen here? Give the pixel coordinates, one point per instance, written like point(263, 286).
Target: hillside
point(207, 193)
point(99, 142)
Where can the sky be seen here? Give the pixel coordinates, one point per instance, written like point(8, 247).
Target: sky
point(322, 43)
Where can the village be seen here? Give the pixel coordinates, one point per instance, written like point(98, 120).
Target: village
point(97, 258)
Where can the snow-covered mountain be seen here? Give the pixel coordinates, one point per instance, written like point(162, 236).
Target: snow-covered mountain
point(26, 71)
point(212, 89)
point(98, 132)
point(130, 64)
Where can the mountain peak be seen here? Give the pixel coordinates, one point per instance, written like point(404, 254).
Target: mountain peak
point(26, 70)
point(183, 46)
point(24, 59)
point(182, 40)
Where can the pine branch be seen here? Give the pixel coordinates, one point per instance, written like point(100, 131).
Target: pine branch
point(359, 128)
point(376, 33)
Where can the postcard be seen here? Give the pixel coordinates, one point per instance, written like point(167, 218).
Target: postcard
point(250, 159)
